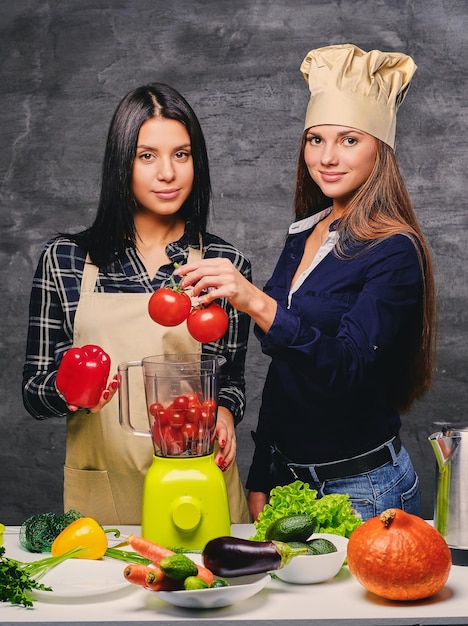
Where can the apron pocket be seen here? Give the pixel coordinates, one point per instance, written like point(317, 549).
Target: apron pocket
point(89, 492)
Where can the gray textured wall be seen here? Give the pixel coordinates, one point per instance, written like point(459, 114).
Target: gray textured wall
point(64, 65)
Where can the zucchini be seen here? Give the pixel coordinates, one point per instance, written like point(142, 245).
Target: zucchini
point(230, 556)
point(292, 528)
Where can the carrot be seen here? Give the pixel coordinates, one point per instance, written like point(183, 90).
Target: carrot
point(155, 575)
point(156, 580)
point(136, 573)
point(155, 552)
point(148, 548)
point(205, 574)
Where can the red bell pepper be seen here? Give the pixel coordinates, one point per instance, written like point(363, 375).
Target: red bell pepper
point(82, 375)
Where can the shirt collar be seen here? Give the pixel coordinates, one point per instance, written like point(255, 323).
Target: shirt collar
point(308, 222)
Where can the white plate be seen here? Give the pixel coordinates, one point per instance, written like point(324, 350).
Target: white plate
point(80, 578)
point(240, 588)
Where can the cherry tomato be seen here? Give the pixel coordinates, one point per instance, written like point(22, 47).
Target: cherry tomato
point(155, 408)
point(208, 323)
point(208, 413)
point(160, 414)
point(193, 398)
point(193, 414)
point(176, 418)
point(174, 441)
point(205, 439)
point(189, 430)
point(168, 440)
point(181, 403)
point(169, 307)
point(156, 434)
point(210, 406)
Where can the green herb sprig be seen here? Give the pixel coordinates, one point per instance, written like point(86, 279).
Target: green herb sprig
point(127, 556)
point(18, 579)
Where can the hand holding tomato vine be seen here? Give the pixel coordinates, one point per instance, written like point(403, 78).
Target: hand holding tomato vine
point(171, 306)
point(220, 279)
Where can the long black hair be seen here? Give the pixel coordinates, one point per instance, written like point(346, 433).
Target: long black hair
point(114, 228)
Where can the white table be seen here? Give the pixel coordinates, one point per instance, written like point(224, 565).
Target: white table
point(339, 601)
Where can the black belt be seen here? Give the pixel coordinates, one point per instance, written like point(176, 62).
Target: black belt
point(348, 467)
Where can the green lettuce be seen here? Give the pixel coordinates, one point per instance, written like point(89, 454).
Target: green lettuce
point(333, 512)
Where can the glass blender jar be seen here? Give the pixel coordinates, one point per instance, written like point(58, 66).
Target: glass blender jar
point(185, 500)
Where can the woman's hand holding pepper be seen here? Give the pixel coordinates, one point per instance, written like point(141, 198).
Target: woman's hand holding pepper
point(220, 279)
point(106, 397)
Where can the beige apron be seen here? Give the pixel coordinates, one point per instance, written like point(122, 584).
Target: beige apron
point(105, 466)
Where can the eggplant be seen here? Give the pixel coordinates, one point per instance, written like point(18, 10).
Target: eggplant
point(230, 557)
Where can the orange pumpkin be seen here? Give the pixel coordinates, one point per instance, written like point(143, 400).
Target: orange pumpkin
point(399, 556)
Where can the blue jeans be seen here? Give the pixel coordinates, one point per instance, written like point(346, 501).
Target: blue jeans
point(393, 485)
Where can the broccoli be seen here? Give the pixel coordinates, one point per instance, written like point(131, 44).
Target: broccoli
point(38, 532)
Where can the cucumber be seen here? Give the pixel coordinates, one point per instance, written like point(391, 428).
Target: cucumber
point(219, 582)
point(293, 528)
point(194, 582)
point(178, 567)
point(320, 545)
point(303, 544)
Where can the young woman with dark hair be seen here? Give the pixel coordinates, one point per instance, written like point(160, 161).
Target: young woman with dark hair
point(94, 287)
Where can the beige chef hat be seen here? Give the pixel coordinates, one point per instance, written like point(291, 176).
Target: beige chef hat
point(351, 87)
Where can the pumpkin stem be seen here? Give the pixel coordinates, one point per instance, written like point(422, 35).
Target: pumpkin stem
point(387, 517)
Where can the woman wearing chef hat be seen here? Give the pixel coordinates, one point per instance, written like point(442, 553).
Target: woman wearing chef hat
point(348, 314)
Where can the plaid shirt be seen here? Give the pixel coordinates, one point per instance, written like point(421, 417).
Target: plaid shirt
point(54, 300)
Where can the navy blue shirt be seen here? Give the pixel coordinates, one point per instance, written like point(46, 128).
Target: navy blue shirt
point(337, 345)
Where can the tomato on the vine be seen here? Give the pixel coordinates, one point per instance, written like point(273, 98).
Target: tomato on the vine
point(207, 324)
point(169, 307)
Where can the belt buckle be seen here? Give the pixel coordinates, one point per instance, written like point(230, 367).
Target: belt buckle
point(303, 473)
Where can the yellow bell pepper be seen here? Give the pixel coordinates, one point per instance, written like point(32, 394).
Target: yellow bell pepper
point(84, 532)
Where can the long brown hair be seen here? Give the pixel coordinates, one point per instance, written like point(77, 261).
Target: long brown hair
point(381, 207)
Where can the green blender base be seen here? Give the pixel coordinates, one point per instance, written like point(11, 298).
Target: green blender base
point(185, 502)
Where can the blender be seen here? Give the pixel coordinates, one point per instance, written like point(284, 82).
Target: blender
point(185, 501)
